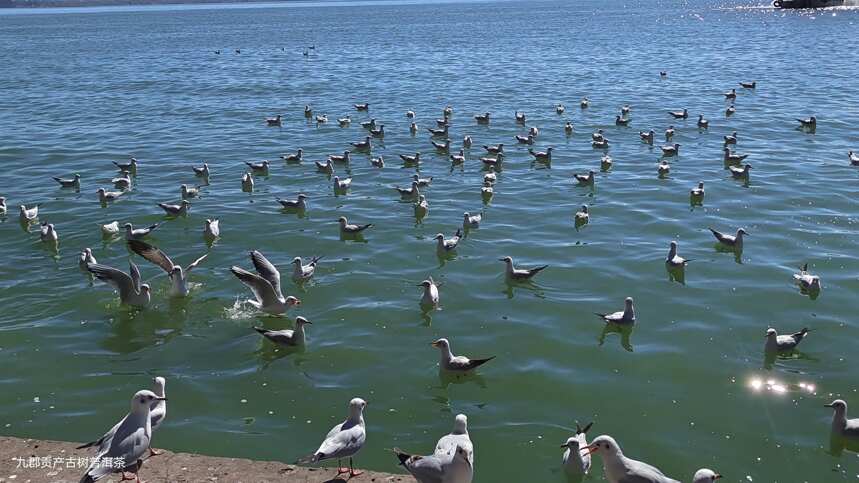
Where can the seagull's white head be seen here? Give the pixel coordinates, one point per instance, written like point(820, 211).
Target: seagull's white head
point(185, 203)
point(100, 191)
point(128, 226)
point(302, 196)
point(342, 221)
point(462, 455)
point(742, 231)
point(460, 424)
point(584, 208)
point(439, 236)
point(508, 260)
point(771, 333)
point(838, 405)
point(142, 400)
point(572, 443)
point(426, 284)
point(441, 344)
point(290, 301)
point(605, 445)
point(674, 245)
point(628, 302)
point(299, 321)
point(356, 406)
point(705, 475)
point(296, 261)
point(158, 384)
point(144, 288)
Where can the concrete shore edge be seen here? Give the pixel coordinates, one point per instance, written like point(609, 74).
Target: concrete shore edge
point(38, 461)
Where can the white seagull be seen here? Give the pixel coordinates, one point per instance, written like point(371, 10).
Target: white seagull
point(519, 274)
point(841, 426)
point(731, 241)
point(212, 229)
point(301, 272)
point(265, 285)
point(178, 275)
point(781, 343)
point(452, 363)
point(344, 440)
point(626, 316)
point(132, 233)
point(620, 469)
point(806, 280)
point(577, 464)
point(430, 297)
point(110, 229)
point(446, 245)
point(131, 291)
point(287, 337)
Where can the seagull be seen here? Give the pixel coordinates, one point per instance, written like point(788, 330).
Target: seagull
point(575, 463)
point(731, 139)
point(669, 133)
point(74, 182)
point(740, 171)
point(520, 117)
point(806, 280)
point(437, 469)
point(447, 444)
point(486, 191)
point(466, 142)
point(679, 114)
point(697, 192)
point(749, 85)
point(410, 193)
point(809, 123)
point(300, 203)
point(413, 128)
point(445, 122)
point(674, 260)
point(730, 111)
point(345, 158)
point(202, 171)
point(447, 111)
point(189, 192)
point(3, 205)
point(441, 132)
point(780, 343)
point(302, 273)
point(321, 119)
point(582, 217)
point(732, 157)
point(647, 137)
point(247, 182)
point(123, 181)
point(584, 103)
point(371, 124)
point(542, 155)
point(344, 121)
point(626, 316)
point(471, 221)
point(132, 233)
point(663, 168)
point(127, 441)
point(671, 150)
point(447, 245)
point(490, 177)
point(732, 241)
point(265, 285)
point(48, 233)
point(841, 426)
point(619, 468)
point(176, 210)
point(421, 206)
point(705, 475)
point(606, 162)
point(410, 114)
point(344, 440)
point(158, 408)
point(178, 275)
point(442, 147)
point(731, 94)
point(131, 291)
point(110, 229)
point(212, 229)
point(342, 185)
point(598, 135)
point(520, 274)
point(559, 109)
point(458, 158)
point(378, 162)
point(498, 160)
point(308, 112)
point(347, 228)
point(619, 121)
point(853, 157)
point(482, 118)
point(297, 157)
point(703, 123)
point(130, 166)
point(585, 179)
point(601, 144)
point(568, 127)
point(107, 196)
point(362, 107)
point(261, 167)
point(364, 145)
point(430, 295)
point(274, 121)
point(326, 167)
point(29, 214)
point(411, 159)
point(286, 337)
point(378, 133)
point(494, 149)
point(452, 363)
point(86, 258)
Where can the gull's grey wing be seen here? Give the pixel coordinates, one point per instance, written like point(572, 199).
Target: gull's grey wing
point(262, 289)
point(134, 272)
point(104, 442)
point(267, 271)
point(341, 442)
point(196, 262)
point(119, 279)
point(129, 442)
point(425, 469)
point(284, 337)
point(465, 364)
point(152, 254)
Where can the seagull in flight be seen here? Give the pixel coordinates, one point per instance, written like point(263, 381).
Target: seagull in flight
point(177, 274)
point(265, 285)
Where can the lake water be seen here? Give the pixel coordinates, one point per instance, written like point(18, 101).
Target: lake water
point(81, 88)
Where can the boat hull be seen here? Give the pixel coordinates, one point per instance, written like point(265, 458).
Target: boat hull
point(807, 3)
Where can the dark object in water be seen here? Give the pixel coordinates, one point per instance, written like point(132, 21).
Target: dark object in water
point(807, 3)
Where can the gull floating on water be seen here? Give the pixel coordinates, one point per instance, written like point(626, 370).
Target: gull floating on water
point(619, 121)
point(422, 182)
point(806, 280)
point(74, 182)
point(697, 192)
point(471, 221)
point(265, 285)
point(585, 179)
point(542, 155)
point(601, 144)
point(346, 157)
point(520, 274)
point(494, 149)
point(297, 157)
point(448, 111)
point(371, 124)
point(486, 191)
point(131, 291)
point(647, 137)
point(520, 117)
point(442, 147)
point(731, 241)
point(731, 139)
point(626, 316)
point(458, 158)
point(3, 205)
point(672, 150)
point(411, 159)
point(308, 112)
point(533, 131)
point(781, 343)
point(559, 109)
point(577, 464)
point(452, 363)
point(123, 181)
point(606, 162)
point(342, 184)
point(29, 214)
point(430, 296)
point(261, 167)
point(364, 145)
point(674, 260)
point(326, 167)
point(584, 103)
point(446, 245)
point(189, 192)
point(178, 275)
point(48, 233)
point(466, 142)
point(583, 217)
point(410, 114)
point(705, 475)
point(620, 469)
point(300, 203)
point(669, 133)
point(345, 121)
point(482, 118)
point(132, 233)
point(347, 228)
point(703, 123)
point(86, 258)
point(663, 168)
point(679, 114)
point(413, 128)
point(730, 111)
point(749, 85)
point(344, 440)
point(731, 94)
point(321, 119)
point(127, 441)
point(810, 123)
point(378, 162)
point(274, 121)
point(841, 426)
point(568, 127)
point(421, 207)
point(378, 133)
point(130, 166)
point(733, 158)
point(741, 172)
point(362, 107)
point(440, 132)
point(286, 337)
point(180, 209)
point(247, 182)
point(202, 171)
point(598, 135)
point(212, 229)
point(108, 196)
point(301, 272)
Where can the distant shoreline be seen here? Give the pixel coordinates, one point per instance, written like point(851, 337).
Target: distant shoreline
point(114, 3)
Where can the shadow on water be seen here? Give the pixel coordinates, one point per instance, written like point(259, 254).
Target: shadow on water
point(770, 359)
point(527, 285)
point(738, 254)
point(676, 274)
point(447, 378)
point(839, 444)
point(134, 329)
point(625, 332)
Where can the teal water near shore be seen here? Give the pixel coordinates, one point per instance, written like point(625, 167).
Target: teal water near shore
point(83, 88)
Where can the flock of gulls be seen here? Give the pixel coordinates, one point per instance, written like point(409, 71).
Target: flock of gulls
point(452, 460)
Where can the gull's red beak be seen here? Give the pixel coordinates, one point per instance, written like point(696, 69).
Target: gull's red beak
point(591, 449)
